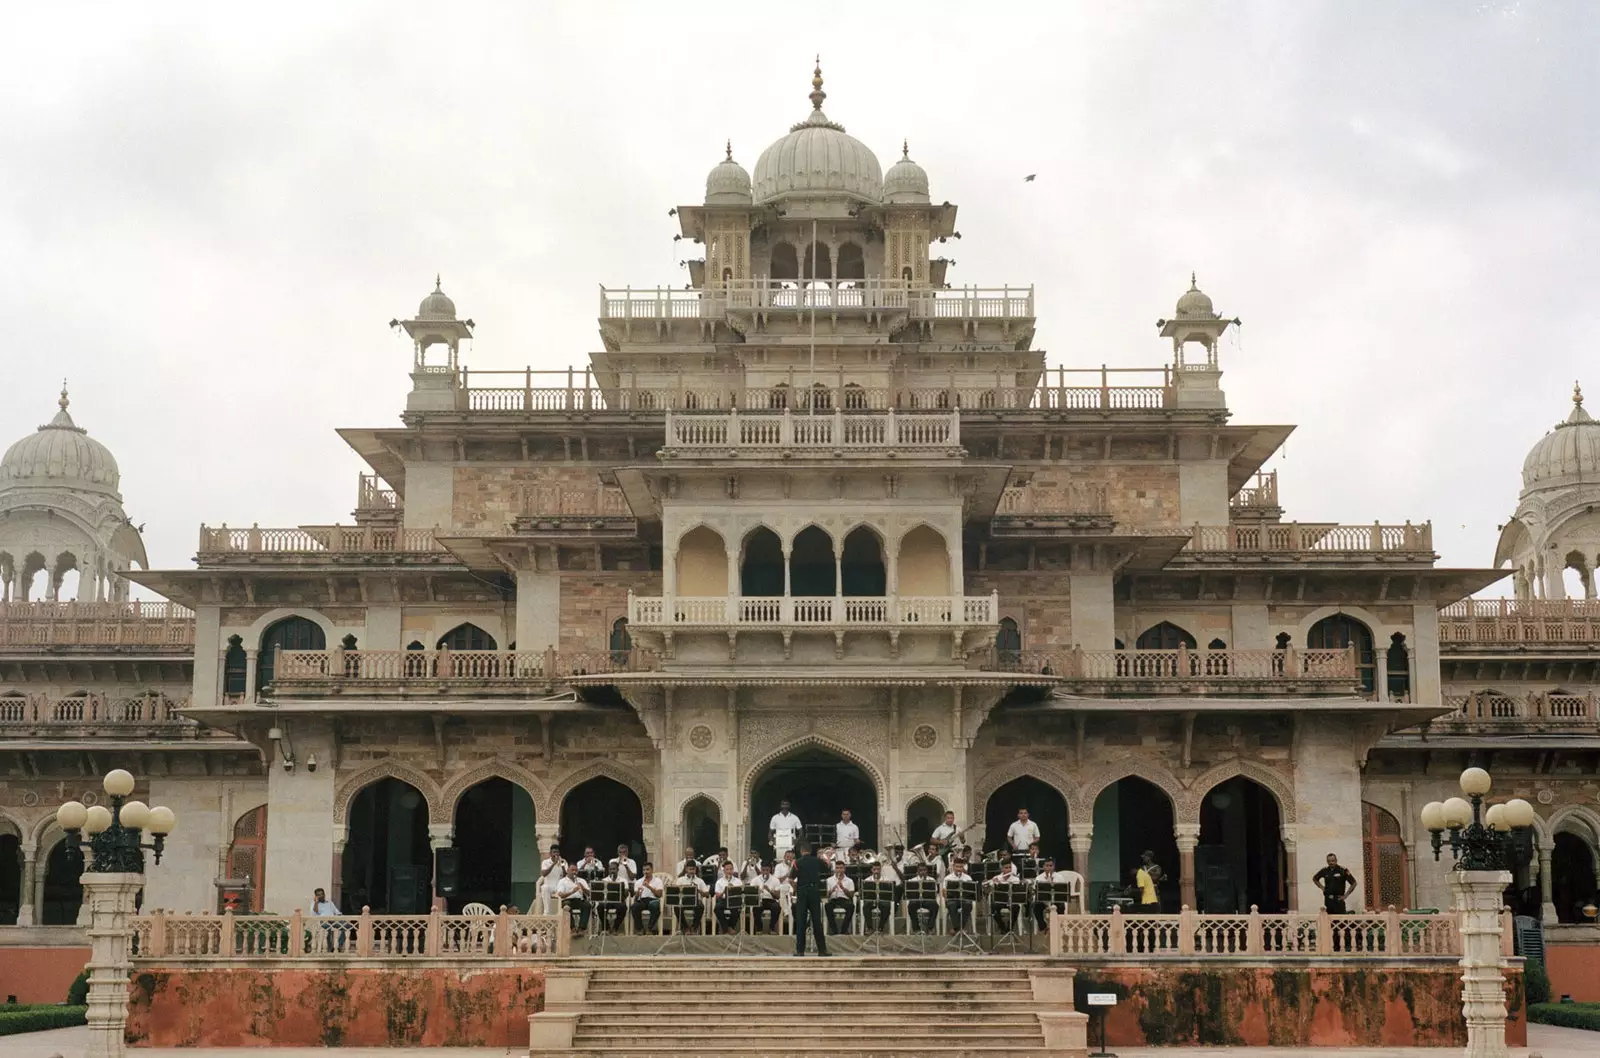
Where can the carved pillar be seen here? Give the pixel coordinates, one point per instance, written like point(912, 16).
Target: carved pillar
point(250, 674)
point(25, 892)
point(1380, 673)
point(1291, 864)
point(1483, 994)
point(1547, 900)
point(336, 885)
point(1080, 837)
point(440, 836)
point(109, 898)
point(1187, 836)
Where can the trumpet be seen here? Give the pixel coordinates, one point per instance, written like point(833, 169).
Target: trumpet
point(868, 857)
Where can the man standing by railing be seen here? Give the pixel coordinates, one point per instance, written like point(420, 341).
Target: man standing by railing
point(1335, 881)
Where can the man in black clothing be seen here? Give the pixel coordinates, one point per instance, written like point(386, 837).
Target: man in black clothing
point(1334, 881)
point(808, 877)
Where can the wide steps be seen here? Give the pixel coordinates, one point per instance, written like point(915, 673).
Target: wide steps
point(856, 1048)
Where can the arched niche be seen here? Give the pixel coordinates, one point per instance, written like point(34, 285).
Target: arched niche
point(288, 633)
point(467, 636)
point(1046, 805)
point(819, 781)
point(701, 825)
point(811, 563)
point(923, 565)
point(1132, 816)
point(861, 567)
point(702, 563)
point(497, 847)
point(760, 564)
point(1240, 861)
point(601, 812)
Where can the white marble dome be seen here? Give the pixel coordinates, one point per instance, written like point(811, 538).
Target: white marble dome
point(1195, 304)
point(1568, 454)
point(436, 306)
point(906, 181)
point(728, 184)
point(60, 453)
point(818, 157)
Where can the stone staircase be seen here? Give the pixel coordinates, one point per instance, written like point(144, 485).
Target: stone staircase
point(843, 1007)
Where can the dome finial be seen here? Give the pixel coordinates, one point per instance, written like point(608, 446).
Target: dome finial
point(905, 149)
point(1577, 394)
point(438, 286)
point(1193, 285)
point(730, 150)
point(817, 94)
point(63, 402)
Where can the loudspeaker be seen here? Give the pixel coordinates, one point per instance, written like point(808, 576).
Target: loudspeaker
point(447, 870)
point(408, 894)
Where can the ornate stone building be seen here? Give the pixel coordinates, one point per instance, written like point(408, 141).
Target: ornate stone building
point(821, 525)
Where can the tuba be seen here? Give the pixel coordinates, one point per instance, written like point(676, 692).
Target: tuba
point(868, 857)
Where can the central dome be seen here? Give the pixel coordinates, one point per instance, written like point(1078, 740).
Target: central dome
point(1567, 455)
point(818, 157)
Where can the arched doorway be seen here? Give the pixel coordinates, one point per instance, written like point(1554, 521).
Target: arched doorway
point(818, 784)
point(1383, 860)
point(63, 896)
point(1239, 863)
point(702, 827)
point(1132, 816)
point(861, 569)
point(10, 877)
point(1164, 636)
point(466, 637)
point(247, 858)
point(922, 816)
point(603, 813)
point(388, 863)
point(498, 849)
point(811, 565)
point(1340, 631)
point(761, 564)
point(1045, 806)
point(291, 633)
point(1572, 882)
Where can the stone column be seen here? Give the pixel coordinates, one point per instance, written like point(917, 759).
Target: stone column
point(1547, 901)
point(1380, 673)
point(341, 835)
point(250, 674)
point(1188, 837)
point(1080, 836)
point(25, 893)
point(1291, 863)
point(1483, 995)
point(109, 898)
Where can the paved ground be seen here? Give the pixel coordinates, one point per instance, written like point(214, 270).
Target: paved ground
point(1546, 1040)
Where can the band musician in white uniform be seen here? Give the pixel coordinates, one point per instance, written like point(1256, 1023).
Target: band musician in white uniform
point(841, 897)
point(552, 870)
point(845, 835)
point(784, 829)
point(1022, 833)
point(622, 866)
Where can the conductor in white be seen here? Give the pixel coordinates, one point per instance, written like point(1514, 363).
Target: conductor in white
point(1022, 833)
point(846, 834)
point(783, 828)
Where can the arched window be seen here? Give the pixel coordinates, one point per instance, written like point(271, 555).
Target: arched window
point(818, 263)
point(291, 633)
point(821, 397)
point(621, 639)
point(811, 564)
point(1008, 645)
point(1398, 660)
point(1384, 859)
point(861, 565)
point(761, 564)
point(778, 399)
point(852, 262)
point(785, 262)
point(855, 398)
point(247, 859)
point(1164, 636)
point(1339, 632)
point(467, 637)
point(234, 668)
point(1217, 664)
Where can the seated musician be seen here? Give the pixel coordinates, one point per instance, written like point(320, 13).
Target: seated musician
point(647, 899)
point(1003, 909)
point(572, 892)
point(689, 917)
point(921, 906)
point(773, 891)
point(957, 908)
point(688, 858)
point(891, 874)
point(752, 868)
point(1050, 876)
point(875, 913)
point(727, 882)
point(623, 862)
point(784, 871)
point(589, 868)
point(610, 896)
point(1030, 863)
point(841, 903)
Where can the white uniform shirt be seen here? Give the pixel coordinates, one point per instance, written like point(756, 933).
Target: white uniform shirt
point(627, 864)
point(694, 880)
point(649, 888)
point(943, 833)
point(782, 870)
point(953, 877)
point(571, 886)
point(591, 867)
point(773, 887)
point(845, 836)
point(889, 873)
point(840, 885)
point(725, 883)
point(678, 870)
point(1009, 876)
point(784, 827)
point(751, 872)
point(1020, 835)
point(553, 869)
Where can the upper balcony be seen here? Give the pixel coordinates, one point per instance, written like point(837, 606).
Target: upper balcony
point(87, 715)
point(1501, 625)
point(822, 296)
point(1182, 672)
point(1320, 543)
point(832, 435)
point(77, 627)
point(314, 545)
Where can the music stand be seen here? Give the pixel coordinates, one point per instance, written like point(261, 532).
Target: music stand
point(875, 895)
point(679, 897)
point(965, 942)
point(1013, 896)
point(606, 896)
point(1050, 894)
point(922, 890)
point(738, 899)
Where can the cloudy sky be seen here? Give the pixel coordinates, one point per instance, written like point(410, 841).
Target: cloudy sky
point(207, 219)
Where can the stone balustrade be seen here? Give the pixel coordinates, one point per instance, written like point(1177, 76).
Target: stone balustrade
point(1078, 497)
point(1387, 934)
point(1491, 708)
point(302, 669)
point(96, 624)
point(1263, 493)
point(1332, 669)
point(1297, 537)
point(784, 612)
point(825, 296)
point(42, 712)
point(567, 501)
point(220, 542)
point(1512, 621)
point(372, 496)
point(732, 431)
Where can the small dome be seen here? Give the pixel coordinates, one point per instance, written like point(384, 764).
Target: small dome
point(436, 306)
point(60, 453)
point(906, 181)
point(817, 156)
point(728, 184)
point(1195, 305)
point(1567, 455)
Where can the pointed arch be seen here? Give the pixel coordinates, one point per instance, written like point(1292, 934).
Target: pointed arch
point(628, 776)
point(1275, 784)
point(1028, 767)
point(1562, 821)
point(1099, 782)
point(497, 768)
point(752, 773)
point(11, 825)
point(390, 769)
point(467, 636)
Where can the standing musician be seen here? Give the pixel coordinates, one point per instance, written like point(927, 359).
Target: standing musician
point(945, 833)
point(1022, 833)
point(622, 866)
point(922, 906)
point(846, 834)
point(688, 859)
point(808, 899)
point(875, 913)
point(782, 830)
point(1004, 912)
point(689, 917)
point(841, 897)
point(773, 890)
point(1049, 875)
point(957, 909)
point(552, 870)
point(647, 899)
point(589, 868)
point(573, 893)
point(729, 881)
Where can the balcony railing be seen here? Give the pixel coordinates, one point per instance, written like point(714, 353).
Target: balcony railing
point(796, 612)
point(864, 431)
point(1059, 389)
point(371, 495)
point(1292, 537)
point(338, 539)
point(830, 296)
point(38, 711)
point(1509, 621)
point(1073, 498)
point(1387, 934)
point(1263, 493)
point(80, 624)
point(351, 668)
point(1538, 708)
point(254, 940)
point(574, 502)
point(1181, 665)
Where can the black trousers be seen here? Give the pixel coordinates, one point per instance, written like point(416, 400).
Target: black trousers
point(875, 915)
point(727, 916)
point(611, 915)
point(649, 905)
point(919, 908)
point(808, 910)
point(835, 906)
point(767, 914)
point(959, 913)
point(582, 907)
point(1334, 904)
point(1040, 910)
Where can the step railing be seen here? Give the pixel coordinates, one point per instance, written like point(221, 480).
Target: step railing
point(1390, 934)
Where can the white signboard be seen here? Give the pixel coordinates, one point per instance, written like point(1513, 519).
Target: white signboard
point(1102, 999)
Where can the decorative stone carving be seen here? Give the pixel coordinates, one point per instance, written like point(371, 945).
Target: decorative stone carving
point(1281, 789)
point(502, 769)
point(611, 769)
point(700, 737)
point(848, 748)
point(926, 736)
point(392, 769)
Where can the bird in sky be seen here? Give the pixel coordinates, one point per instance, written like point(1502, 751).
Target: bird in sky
point(1029, 178)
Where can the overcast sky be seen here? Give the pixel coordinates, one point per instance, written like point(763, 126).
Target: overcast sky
point(207, 219)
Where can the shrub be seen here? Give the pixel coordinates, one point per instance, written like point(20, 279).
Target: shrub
point(1568, 1015)
point(1535, 982)
point(78, 990)
point(37, 1019)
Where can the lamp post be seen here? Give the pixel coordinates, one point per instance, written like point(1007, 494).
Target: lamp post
point(111, 886)
point(1486, 845)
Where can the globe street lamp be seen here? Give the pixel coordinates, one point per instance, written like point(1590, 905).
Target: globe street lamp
point(1480, 840)
point(114, 844)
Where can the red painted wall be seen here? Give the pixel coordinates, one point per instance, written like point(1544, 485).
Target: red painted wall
point(413, 1007)
point(1574, 970)
point(39, 975)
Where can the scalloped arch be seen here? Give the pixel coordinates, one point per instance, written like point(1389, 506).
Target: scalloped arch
point(753, 773)
point(389, 769)
point(11, 825)
point(1160, 778)
point(996, 777)
point(1281, 790)
point(497, 768)
point(633, 779)
point(684, 803)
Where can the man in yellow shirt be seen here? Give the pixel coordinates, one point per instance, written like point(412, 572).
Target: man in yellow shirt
point(1148, 901)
